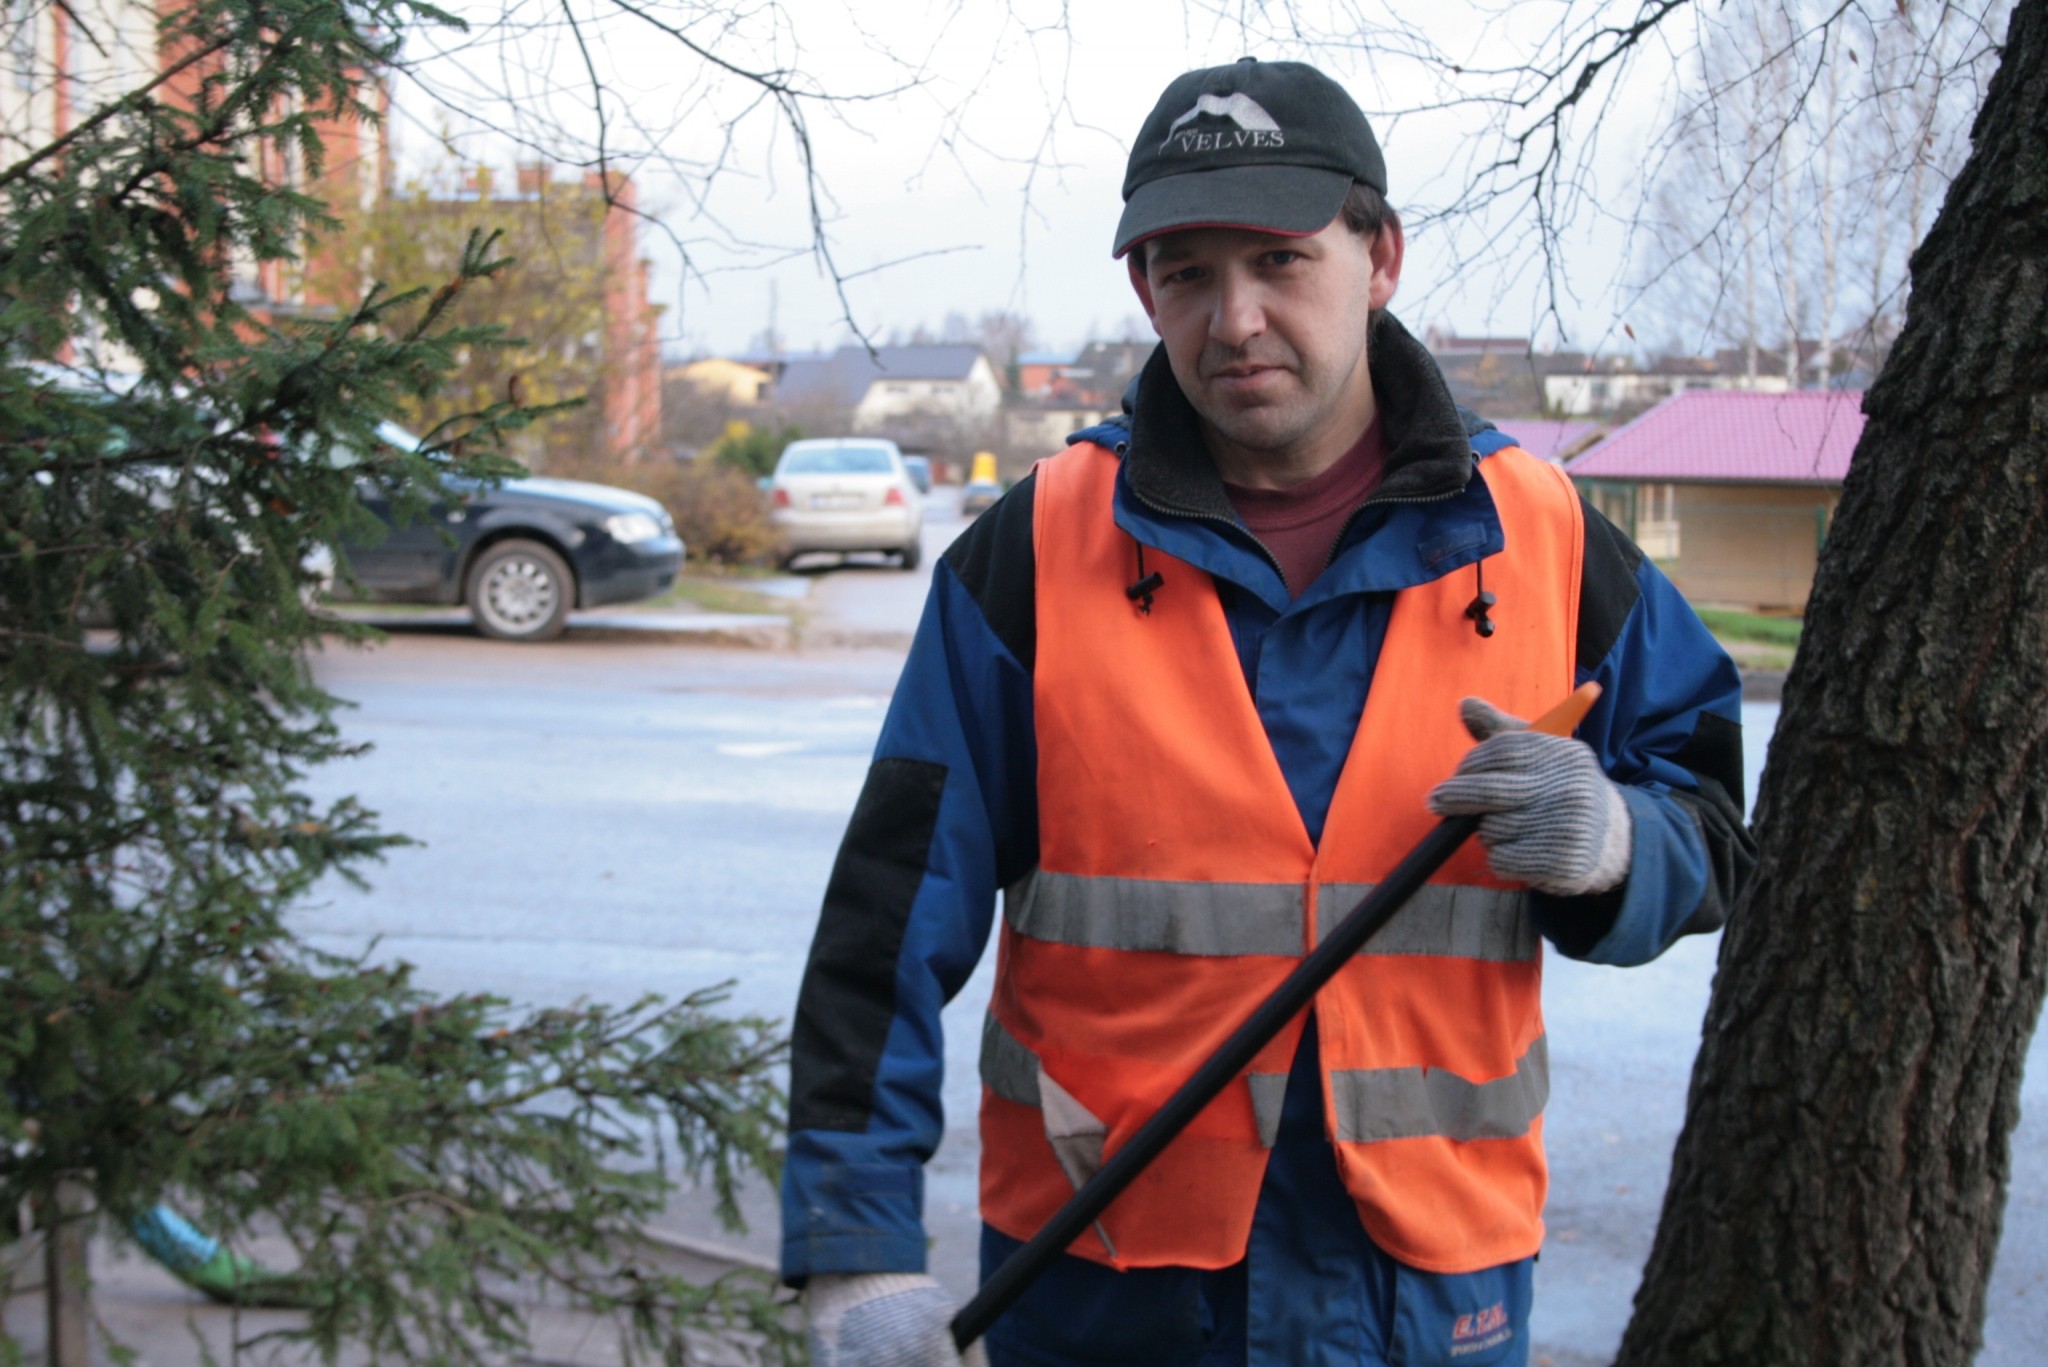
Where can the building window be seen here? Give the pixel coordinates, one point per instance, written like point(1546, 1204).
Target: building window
point(1657, 502)
point(1656, 528)
point(1612, 502)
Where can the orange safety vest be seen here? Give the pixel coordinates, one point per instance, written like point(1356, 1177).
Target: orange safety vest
point(1176, 887)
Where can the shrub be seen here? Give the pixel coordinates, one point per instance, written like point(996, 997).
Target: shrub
point(719, 511)
point(752, 450)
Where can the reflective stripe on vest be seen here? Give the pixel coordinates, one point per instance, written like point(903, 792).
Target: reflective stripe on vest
point(1372, 1104)
point(1162, 915)
point(1176, 886)
point(1462, 922)
point(1007, 1068)
point(1012, 1072)
point(1180, 917)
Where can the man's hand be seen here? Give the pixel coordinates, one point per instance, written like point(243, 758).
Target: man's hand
point(883, 1319)
point(1547, 815)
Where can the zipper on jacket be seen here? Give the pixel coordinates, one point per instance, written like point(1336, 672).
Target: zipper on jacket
point(1237, 525)
point(1330, 556)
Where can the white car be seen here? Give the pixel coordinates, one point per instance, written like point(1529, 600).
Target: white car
point(847, 494)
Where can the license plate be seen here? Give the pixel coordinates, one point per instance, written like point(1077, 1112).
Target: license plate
point(835, 500)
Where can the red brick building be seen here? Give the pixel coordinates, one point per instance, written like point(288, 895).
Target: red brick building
point(630, 393)
point(53, 76)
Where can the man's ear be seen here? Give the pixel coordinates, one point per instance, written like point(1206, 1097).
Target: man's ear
point(1388, 248)
point(1143, 287)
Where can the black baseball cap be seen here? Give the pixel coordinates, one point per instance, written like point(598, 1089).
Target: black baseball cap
point(1272, 146)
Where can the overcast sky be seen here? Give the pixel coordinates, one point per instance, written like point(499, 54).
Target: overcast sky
point(982, 155)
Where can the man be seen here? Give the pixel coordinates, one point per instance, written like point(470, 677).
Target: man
point(1182, 696)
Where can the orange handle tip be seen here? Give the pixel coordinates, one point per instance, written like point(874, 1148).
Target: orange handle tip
point(1564, 718)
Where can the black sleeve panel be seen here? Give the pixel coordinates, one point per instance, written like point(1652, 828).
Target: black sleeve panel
point(1714, 752)
point(1607, 587)
point(995, 560)
point(1714, 755)
point(848, 1000)
point(1576, 924)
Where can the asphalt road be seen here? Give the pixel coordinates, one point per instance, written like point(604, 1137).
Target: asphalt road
point(606, 816)
point(865, 599)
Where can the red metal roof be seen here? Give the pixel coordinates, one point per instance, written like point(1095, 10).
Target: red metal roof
point(1805, 437)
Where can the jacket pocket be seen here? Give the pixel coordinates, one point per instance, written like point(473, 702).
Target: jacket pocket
point(1462, 1319)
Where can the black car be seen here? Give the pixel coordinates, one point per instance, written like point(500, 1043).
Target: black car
point(519, 554)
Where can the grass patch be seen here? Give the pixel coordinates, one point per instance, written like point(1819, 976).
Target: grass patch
point(722, 593)
point(718, 591)
point(1730, 625)
point(1755, 641)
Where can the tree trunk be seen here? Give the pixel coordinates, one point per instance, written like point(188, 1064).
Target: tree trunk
point(1837, 1194)
point(67, 1281)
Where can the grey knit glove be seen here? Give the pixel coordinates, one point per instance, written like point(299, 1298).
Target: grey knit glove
point(883, 1319)
point(1547, 815)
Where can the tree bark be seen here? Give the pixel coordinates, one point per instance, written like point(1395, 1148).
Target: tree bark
point(1838, 1191)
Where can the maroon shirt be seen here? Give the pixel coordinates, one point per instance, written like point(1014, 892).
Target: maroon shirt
point(1300, 526)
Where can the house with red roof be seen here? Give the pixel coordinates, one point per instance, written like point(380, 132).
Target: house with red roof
point(1731, 493)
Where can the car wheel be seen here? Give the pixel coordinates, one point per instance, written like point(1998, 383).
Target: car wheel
point(520, 591)
point(910, 556)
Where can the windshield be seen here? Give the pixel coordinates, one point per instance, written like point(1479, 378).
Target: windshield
point(837, 460)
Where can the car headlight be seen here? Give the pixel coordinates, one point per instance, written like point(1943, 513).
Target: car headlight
point(630, 527)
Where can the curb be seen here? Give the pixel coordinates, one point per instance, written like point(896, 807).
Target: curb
point(853, 638)
point(1763, 685)
point(760, 632)
point(708, 628)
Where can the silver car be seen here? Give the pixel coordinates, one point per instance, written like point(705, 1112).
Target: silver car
point(847, 494)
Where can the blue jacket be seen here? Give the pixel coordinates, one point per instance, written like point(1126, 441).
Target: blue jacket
point(948, 816)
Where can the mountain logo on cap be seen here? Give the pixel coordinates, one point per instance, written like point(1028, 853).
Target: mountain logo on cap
point(1256, 128)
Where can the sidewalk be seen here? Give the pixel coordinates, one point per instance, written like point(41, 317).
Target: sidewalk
point(144, 1309)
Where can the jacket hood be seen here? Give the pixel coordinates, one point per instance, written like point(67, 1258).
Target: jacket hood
point(1429, 451)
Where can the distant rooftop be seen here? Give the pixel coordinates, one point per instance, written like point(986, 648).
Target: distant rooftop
point(775, 358)
point(845, 376)
point(1545, 437)
point(1444, 342)
point(1732, 436)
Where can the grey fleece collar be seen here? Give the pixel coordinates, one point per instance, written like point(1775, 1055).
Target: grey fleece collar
point(1429, 455)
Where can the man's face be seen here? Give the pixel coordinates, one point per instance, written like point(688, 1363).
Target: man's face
point(1267, 336)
